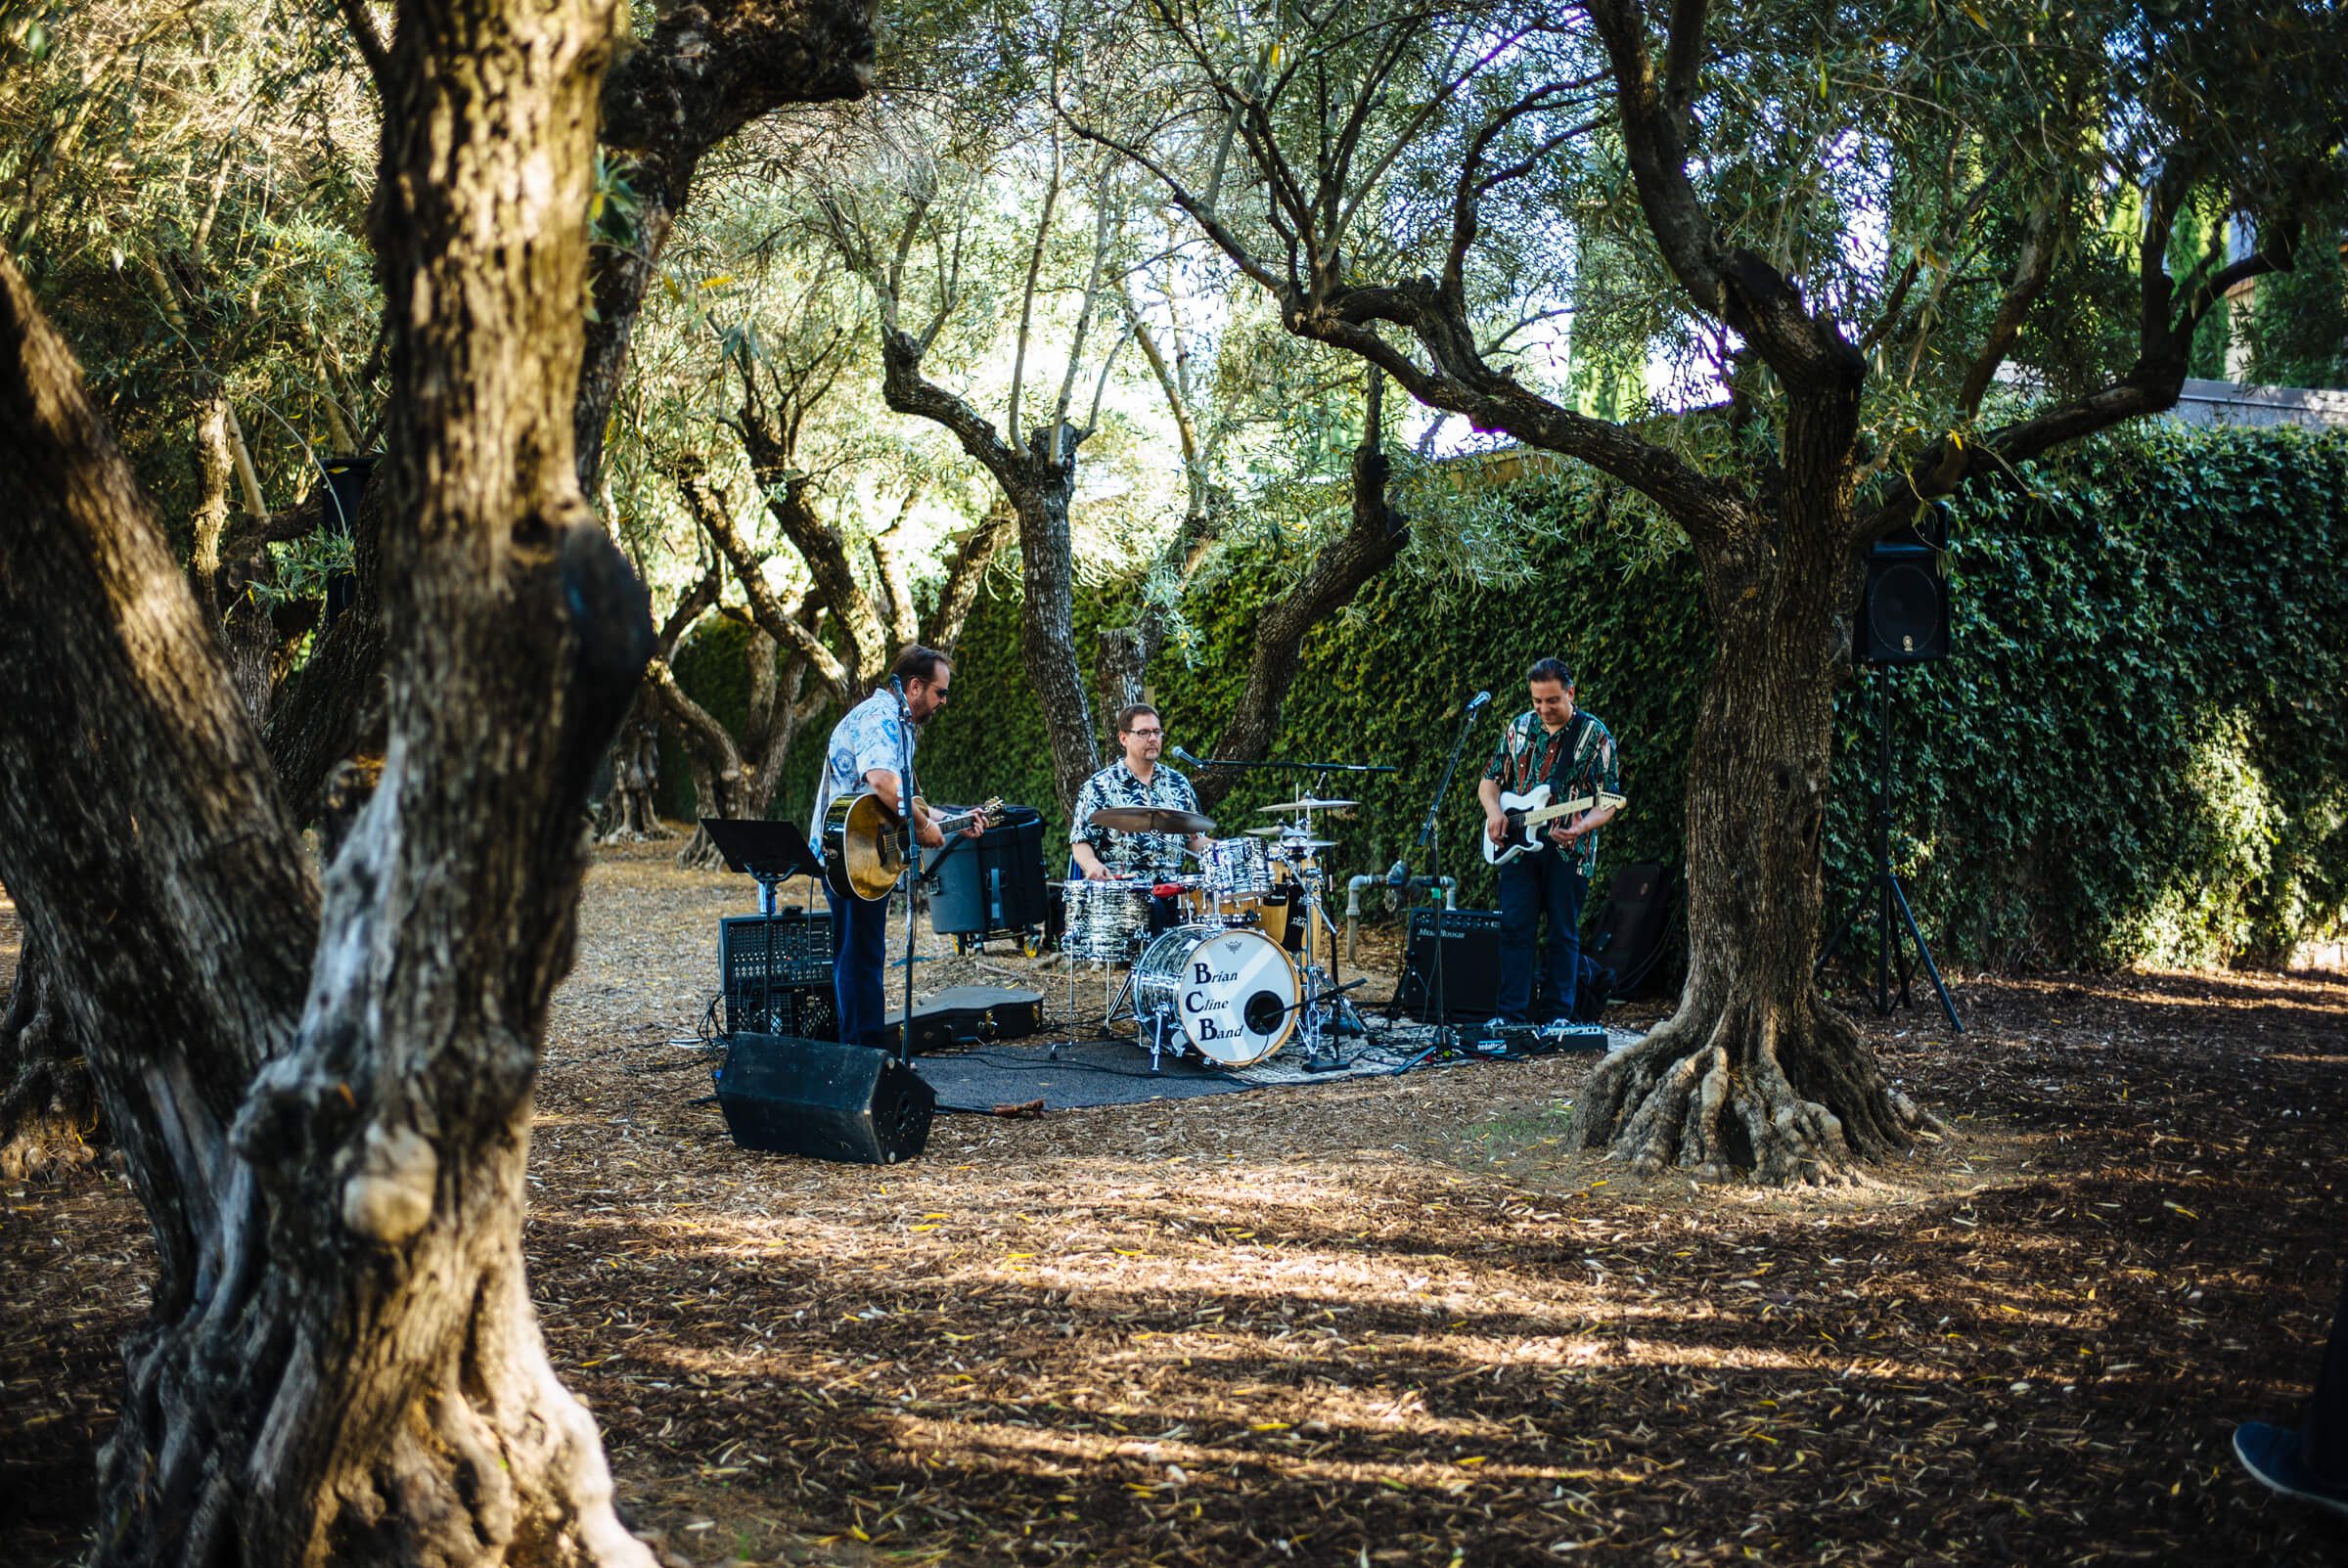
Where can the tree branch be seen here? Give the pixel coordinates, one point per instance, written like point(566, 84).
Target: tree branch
point(715, 518)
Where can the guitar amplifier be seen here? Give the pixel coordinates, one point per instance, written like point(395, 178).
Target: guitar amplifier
point(1471, 966)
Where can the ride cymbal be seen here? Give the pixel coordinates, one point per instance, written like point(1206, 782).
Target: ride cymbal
point(1310, 803)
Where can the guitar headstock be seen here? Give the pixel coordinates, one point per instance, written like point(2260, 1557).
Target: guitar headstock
point(993, 813)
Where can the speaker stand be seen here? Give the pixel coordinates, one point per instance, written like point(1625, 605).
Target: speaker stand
point(1884, 889)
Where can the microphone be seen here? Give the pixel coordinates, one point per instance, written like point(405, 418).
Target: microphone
point(1476, 702)
point(1185, 756)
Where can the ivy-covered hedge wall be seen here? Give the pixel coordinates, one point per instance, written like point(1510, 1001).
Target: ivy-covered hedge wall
point(2138, 754)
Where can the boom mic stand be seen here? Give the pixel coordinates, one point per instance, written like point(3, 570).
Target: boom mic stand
point(1431, 839)
point(912, 860)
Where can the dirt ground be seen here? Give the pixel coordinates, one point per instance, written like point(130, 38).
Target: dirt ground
point(1384, 1320)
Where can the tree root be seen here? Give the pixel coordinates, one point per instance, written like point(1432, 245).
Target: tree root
point(1744, 1097)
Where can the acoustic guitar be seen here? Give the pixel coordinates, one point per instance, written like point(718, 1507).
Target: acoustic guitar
point(864, 842)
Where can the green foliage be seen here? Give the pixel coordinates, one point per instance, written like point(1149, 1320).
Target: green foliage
point(2296, 329)
point(2137, 756)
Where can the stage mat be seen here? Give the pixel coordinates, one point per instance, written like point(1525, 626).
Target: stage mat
point(1077, 1074)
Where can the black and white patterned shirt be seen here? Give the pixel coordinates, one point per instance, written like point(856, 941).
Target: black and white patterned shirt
point(1577, 760)
point(1152, 855)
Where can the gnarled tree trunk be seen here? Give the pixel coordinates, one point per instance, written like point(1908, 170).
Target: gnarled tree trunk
point(326, 1112)
point(1373, 537)
point(1047, 614)
point(630, 811)
point(1756, 1075)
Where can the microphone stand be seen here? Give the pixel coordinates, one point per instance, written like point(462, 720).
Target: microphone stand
point(911, 851)
point(1430, 838)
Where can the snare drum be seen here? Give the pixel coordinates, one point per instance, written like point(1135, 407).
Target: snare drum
point(1232, 992)
point(1235, 868)
point(1107, 920)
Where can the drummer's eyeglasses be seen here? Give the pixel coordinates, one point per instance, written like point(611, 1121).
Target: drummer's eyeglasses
point(1145, 734)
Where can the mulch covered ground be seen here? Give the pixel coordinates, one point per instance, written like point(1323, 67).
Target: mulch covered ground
point(1386, 1321)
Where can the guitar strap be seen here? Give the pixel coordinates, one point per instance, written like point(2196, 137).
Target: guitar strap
point(1569, 747)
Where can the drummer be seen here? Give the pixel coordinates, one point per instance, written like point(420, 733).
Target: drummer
point(1137, 779)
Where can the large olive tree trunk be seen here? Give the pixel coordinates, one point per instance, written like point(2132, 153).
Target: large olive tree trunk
point(1755, 1074)
point(324, 1110)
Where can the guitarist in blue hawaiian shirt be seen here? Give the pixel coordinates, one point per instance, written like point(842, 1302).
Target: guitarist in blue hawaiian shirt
point(1573, 753)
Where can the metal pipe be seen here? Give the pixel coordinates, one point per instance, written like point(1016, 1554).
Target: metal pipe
point(1353, 903)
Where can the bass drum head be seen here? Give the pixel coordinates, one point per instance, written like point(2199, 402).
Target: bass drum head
point(1234, 991)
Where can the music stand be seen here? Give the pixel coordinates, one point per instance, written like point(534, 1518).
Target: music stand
point(770, 853)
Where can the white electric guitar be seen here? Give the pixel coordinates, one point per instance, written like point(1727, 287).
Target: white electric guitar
point(1529, 816)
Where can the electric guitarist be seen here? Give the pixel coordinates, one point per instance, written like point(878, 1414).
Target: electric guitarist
point(1553, 742)
point(872, 748)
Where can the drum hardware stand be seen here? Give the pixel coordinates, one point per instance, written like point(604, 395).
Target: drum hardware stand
point(1322, 1052)
point(1158, 1023)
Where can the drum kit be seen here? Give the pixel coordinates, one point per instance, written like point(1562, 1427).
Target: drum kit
point(1227, 960)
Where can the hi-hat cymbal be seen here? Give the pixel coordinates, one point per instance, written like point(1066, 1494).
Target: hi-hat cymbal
point(1310, 803)
point(1263, 832)
point(1310, 843)
point(1150, 819)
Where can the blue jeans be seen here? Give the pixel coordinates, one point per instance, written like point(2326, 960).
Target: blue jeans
point(1531, 886)
point(858, 966)
point(2323, 1435)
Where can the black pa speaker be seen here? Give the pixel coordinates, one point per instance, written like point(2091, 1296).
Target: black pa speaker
point(1904, 608)
point(829, 1102)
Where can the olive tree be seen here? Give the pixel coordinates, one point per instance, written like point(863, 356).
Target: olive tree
point(1909, 248)
point(323, 1090)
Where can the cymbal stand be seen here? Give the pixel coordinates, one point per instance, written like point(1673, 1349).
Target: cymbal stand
point(1315, 1014)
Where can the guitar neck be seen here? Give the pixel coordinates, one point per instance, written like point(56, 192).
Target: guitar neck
point(1542, 813)
point(963, 819)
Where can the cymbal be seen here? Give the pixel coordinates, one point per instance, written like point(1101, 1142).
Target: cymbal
point(1263, 832)
point(1148, 819)
point(1310, 803)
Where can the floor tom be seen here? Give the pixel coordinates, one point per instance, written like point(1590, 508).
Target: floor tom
point(1106, 920)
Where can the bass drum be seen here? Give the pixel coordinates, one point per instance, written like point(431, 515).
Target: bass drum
point(1232, 992)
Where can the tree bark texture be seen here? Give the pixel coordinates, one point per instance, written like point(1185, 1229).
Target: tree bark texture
point(1046, 636)
point(48, 1102)
point(1374, 536)
point(326, 1112)
point(1755, 1076)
